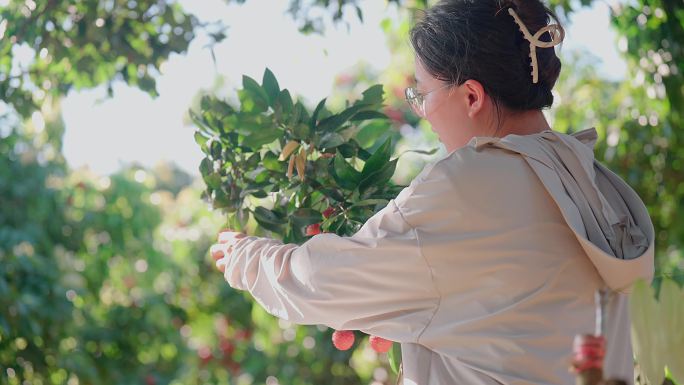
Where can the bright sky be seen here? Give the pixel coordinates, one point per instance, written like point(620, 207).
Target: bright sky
point(107, 133)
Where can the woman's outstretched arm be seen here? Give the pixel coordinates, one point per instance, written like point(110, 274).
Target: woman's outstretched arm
point(376, 281)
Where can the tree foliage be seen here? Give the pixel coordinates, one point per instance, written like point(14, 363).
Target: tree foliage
point(311, 19)
point(50, 47)
point(253, 152)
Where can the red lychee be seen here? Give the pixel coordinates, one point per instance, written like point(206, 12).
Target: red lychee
point(343, 339)
point(313, 229)
point(328, 212)
point(380, 344)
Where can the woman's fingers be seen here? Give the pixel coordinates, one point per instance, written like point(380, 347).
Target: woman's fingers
point(229, 236)
point(221, 264)
point(219, 250)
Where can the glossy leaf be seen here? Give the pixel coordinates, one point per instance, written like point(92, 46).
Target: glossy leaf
point(378, 159)
point(379, 177)
point(262, 137)
point(344, 173)
point(270, 85)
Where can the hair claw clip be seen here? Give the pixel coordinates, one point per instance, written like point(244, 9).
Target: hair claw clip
point(554, 30)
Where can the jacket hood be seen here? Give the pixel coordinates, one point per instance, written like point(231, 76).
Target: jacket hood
point(616, 231)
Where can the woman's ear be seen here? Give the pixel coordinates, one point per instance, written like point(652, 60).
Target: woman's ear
point(475, 96)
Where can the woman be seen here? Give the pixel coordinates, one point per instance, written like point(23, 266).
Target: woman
point(485, 267)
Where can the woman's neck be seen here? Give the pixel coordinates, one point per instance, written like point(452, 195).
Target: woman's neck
point(523, 123)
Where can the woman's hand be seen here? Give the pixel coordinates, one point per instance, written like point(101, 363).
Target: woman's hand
point(219, 251)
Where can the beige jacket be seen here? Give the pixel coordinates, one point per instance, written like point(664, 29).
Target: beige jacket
point(484, 268)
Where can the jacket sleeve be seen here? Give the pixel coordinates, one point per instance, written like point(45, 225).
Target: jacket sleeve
point(376, 281)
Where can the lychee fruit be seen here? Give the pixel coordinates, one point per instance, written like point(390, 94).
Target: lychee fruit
point(343, 339)
point(313, 229)
point(328, 212)
point(380, 344)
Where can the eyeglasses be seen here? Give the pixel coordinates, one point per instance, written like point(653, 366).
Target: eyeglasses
point(417, 100)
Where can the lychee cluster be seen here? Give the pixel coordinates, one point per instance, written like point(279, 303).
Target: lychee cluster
point(344, 340)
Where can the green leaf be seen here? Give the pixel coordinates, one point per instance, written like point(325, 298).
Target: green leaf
point(271, 162)
point(285, 101)
point(363, 154)
point(261, 137)
point(271, 86)
point(246, 124)
point(220, 200)
point(266, 215)
point(201, 140)
point(344, 173)
point(206, 166)
point(201, 123)
point(379, 177)
point(330, 140)
point(212, 180)
point(334, 122)
point(259, 194)
point(368, 115)
point(205, 103)
point(333, 193)
point(250, 84)
point(254, 189)
point(305, 216)
point(394, 357)
point(301, 131)
point(317, 111)
point(370, 132)
point(215, 148)
point(348, 149)
point(378, 159)
point(255, 92)
point(301, 114)
point(253, 161)
point(268, 219)
point(373, 95)
point(250, 103)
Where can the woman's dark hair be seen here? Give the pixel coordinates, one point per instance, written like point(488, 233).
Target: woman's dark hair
point(457, 40)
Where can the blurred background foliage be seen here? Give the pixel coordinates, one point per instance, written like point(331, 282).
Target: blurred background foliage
point(107, 279)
